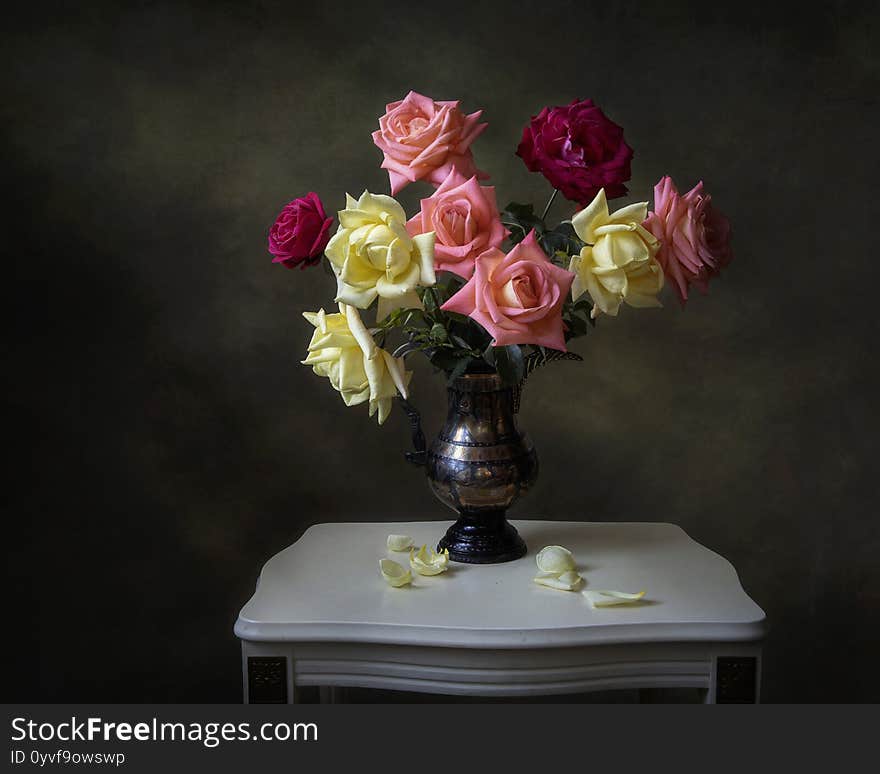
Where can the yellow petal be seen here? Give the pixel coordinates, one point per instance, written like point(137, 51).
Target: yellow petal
point(632, 213)
point(428, 561)
point(592, 216)
point(399, 542)
point(396, 370)
point(395, 574)
point(607, 598)
point(566, 581)
point(359, 330)
point(555, 559)
point(409, 300)
point(424, 247)
point(380, 205)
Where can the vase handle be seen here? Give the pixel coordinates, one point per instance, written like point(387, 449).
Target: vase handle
point(419, 457)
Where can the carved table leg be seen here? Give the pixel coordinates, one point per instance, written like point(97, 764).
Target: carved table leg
point(736, 678)
point(268, 679)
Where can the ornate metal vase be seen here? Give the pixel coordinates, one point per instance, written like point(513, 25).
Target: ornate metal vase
point(479, 464)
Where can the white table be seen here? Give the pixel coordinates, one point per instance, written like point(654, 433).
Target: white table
point(322, 615)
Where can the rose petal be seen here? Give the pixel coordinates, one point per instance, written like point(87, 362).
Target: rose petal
point(566, 581)
point(429, 562)
point(607, 598)
point(555, 559)
point(395, 574)
point(399, 542)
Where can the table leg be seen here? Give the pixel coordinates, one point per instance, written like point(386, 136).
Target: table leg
point(268, 679)
point(329, 694)
point(736, 679)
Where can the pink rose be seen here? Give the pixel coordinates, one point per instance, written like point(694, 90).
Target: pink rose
point(579, 150)
point(300, 233)
point(464, 216)
point(694, 236)
point(423, 139)
point(516, 297)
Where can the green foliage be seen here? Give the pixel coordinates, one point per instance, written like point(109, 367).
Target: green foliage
point(560, 242)
point(520, 219)
point(451, 341)
point(576, 316)
point(562, 239)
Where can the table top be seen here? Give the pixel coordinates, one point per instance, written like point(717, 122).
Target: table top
point(327, 587)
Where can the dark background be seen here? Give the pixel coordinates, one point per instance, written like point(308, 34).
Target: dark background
point(164, 440)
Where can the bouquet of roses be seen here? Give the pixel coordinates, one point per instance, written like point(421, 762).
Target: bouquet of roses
point(474, 288)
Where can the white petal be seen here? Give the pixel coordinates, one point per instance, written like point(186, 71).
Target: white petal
point(607, 598)
point(399, 542)
point(395, 574)
point(555, 559)
point(567, 581)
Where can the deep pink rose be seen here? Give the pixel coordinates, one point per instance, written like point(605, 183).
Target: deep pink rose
point(694, 236)
point(300, 233)
point(516, 297)
point(464, 216)
point(578, 150)
point(423, 140)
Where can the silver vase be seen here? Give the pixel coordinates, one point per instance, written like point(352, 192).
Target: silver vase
point(478, 465)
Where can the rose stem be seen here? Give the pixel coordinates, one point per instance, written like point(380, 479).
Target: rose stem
point(549, 204)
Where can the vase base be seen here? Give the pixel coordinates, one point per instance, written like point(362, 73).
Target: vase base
point(483, 539)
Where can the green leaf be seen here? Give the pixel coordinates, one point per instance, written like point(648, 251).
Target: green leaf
point(520, 210)
point(509, 363)
point(444, 359)
point(438, 332)
point(459, 368)
point(577, 325)
point(562, 239)
point(520, 219)
point(429, 300)
point(458, 318)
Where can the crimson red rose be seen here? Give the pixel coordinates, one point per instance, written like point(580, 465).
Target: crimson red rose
point(579, 150)
point(300, 233)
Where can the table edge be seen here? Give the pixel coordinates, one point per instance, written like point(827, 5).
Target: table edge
point(502, 639)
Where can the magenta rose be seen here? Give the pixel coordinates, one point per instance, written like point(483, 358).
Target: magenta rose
point(424, 140)
point(694, 236)
point(300, 233)
point(516, 297)
point(579, 150)
point(464, 216)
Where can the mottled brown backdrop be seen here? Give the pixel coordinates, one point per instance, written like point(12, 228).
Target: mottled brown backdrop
point(164, 440)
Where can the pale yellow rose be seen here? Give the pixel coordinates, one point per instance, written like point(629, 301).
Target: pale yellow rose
point(373, 255)
point(618, 263)
point(343, 350)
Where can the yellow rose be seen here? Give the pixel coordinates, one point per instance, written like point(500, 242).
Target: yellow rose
point(343, 350)
point(618, 263)
point(373, 255)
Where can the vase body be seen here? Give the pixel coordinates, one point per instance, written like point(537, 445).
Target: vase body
point(479, 465)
